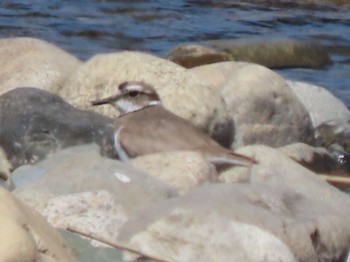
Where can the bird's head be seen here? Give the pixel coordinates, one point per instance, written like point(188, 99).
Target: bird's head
point(131, 96)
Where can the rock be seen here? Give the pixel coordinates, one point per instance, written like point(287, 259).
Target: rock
point(35, 123)
point(283, 212)
point(201, 226)
point(5, 170)
point(91, 211)
point(216, 74)
point(328, 2)
point(264, 108)
point(181, 91)
point(182, 170)
point(195, 55)
point(320, 103)
point(85, 252)
point(33, 62)
point(26, 236)
point(317, 159)
point(273, 53)
point(334, 133)
point(77, 186)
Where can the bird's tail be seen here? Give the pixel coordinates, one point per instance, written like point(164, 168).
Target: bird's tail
point(231, 159)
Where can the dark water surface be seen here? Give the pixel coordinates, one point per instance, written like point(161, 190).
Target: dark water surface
point(85, 28)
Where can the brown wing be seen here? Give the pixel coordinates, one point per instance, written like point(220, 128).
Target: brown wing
point(154, 129)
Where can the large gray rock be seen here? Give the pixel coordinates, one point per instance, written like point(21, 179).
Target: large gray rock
point(283, 212)
point(78, 187)
point(33, 62)
point(181, 91)
point(34, 123)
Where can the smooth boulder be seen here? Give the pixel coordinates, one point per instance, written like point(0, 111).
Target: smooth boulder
point(33, 62)
point(35, 123)
point(77, 186)
point(26, 236)
point(192, 55)
point(264, 108)
point(273, 53)
point(182, 92)
point(180, 169)
point(282, 212)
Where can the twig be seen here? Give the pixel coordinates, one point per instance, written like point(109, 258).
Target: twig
point(336, 179)
point(115, 244)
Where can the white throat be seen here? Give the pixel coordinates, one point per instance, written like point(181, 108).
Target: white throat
point(125, 106)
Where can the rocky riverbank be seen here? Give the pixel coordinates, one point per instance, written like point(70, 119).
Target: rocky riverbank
point(59, 170)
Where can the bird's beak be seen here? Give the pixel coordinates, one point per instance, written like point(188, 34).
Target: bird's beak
point(106, 100)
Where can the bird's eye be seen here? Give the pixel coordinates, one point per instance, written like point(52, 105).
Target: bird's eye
point(133, 93)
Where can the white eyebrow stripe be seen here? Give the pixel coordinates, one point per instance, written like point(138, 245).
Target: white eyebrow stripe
point(138, 88)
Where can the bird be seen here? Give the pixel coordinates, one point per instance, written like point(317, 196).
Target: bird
point(145, 126)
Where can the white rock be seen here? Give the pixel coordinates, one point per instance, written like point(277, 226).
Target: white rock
point(321, 104)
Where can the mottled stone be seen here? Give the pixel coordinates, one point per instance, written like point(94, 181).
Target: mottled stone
point(182, 92)
point(35, 123)
point(80, 187)
point(334, 133)
point(265, 109)
point(33, 62)
point(90, 211)
point(283, 212)
point(317, 159)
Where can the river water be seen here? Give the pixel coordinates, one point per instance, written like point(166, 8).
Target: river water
point(85, 28)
